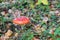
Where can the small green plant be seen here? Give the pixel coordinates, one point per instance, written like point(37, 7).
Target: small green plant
point(28, 35)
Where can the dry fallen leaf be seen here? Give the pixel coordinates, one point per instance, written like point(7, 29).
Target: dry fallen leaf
point(16, 34)
point(37, 27)
point(50, 39)
point(8, 33)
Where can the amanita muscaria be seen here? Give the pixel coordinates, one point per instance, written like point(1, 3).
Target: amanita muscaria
point(22, 20)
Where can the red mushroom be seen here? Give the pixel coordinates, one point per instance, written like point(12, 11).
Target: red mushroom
point(21, 20)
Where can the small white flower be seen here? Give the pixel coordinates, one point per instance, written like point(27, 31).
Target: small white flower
point(45, 19)
point(52, 12)
point(56, 11)
point(10, 11)
point(3, 3)
point(50, 31)
point(3, 13)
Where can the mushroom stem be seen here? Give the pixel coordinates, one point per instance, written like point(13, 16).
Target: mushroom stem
point(22, 27)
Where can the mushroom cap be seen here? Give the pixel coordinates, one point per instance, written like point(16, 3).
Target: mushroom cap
point(21, 20)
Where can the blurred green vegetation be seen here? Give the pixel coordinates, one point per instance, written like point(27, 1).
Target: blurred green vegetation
point(37, 12)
